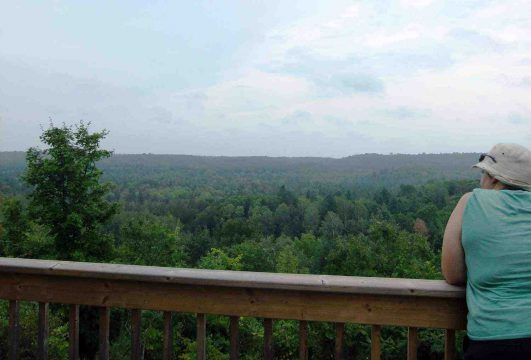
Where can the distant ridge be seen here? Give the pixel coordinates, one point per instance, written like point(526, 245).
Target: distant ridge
point(261, 172)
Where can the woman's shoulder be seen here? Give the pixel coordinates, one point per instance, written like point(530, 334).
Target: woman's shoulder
point(465, 198)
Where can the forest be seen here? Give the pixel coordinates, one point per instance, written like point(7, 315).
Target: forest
point(364, 215)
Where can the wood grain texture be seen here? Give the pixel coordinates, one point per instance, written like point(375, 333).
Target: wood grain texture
point(167, 348)
point(43, 332)
point(201, 337)
point(238, 279)
point(268, 339)
point(412, 343)
point(105, 321)
point(13, 330)
point(73, 333)
point(303, 340)
point(375, 342)
point(340, 335)
point(404, 310)
point(234, 330)
point(449, 345)
point(136, 341)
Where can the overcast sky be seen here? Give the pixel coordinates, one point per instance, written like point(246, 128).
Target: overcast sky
point(277, 78)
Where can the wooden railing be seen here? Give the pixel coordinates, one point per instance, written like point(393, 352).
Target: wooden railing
point(339, 299)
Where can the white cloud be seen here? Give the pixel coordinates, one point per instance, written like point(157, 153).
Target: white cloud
point(384, 39)
point(402, 76)
point(415, 3)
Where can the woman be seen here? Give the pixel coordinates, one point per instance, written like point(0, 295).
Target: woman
point(487, 245)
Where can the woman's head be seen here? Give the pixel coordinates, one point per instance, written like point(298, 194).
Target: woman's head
point(506, 166)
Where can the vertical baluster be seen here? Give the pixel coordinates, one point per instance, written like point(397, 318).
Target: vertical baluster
point(375, 342)
point(303, 340)
point(13, 329)
point(449, 345)
point(168, 337)
point(268, 339)
point(136, 343)
point(73, 333)
point(340, 335)
point(105, 319)
point(412, 343)
point(234, 337)
point(42, 339)
point(201, 337)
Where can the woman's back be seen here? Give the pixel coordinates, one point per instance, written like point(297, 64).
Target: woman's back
point(496, 237)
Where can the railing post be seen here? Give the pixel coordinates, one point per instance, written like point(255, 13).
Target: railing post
point(42, 339)
point(234, 337)
point(375, 342)
point(73, 333)
point(449, 345)
point(201, 337)
point(303, 340)
point(136, 341)
point(412, 343)
point(13, 329)
point(168, 337)
point(268, 339)
point(105, 319)
point(340, 335)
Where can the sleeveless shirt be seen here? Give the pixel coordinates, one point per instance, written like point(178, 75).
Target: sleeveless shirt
point(496, 238)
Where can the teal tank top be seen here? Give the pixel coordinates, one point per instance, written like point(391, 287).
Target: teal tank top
point(496, 238)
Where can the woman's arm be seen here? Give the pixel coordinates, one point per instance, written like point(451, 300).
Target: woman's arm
point(452, 256)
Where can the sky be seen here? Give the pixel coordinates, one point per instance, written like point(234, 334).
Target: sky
point(274, 77)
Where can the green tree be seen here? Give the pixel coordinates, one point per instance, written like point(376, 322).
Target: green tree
point(15, 224)
point(67, 196)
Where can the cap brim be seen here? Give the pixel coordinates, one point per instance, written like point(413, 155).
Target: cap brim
point(482, 166)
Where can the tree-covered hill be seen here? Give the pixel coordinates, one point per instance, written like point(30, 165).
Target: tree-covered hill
point(258, 174)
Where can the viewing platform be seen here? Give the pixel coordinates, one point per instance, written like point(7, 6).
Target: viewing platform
point(373, 301)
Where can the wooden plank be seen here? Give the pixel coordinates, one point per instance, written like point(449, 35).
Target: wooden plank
point(412, 343)
point(105, 320)
point(375, 342)
point(303, 340)
point(268, 339)
point(449, 345)
point(168, 337)
point(412, 311)
point(201, 337)
point(340, 336)
point(73, 333)
point(42, 338)
point(14, 328)
point(136, 342)
point(241, 279)
point(234, 329)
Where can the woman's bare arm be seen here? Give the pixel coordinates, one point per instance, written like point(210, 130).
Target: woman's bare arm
point(453, 257)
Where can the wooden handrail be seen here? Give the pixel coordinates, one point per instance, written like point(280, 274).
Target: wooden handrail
point(412, 303)
point(237, 279)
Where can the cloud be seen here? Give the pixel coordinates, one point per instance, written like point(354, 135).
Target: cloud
point(406, 112)
point(297, 118)
point(525, 81)
point(415, 3)
point(345, 83)
point(408, 76)
point(518, 119)
point(473, 42)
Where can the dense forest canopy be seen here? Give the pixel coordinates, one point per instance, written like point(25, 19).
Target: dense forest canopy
point(258, 174)
point(364, 215)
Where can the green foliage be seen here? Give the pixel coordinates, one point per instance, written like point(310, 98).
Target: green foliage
point(15, 223)
point(146, 240)
point(67, 196)
point(360, 216)
point(217, 259)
